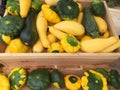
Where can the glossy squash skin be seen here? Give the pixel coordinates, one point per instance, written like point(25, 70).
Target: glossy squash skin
point(57, 79)
point(89, 23)
point(29, 34)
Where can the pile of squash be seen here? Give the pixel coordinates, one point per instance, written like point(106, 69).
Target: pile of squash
point(56, 26)
point(42, 79)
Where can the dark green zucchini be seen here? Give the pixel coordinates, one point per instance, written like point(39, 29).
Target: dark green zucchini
point(89, 23)
point(29, 34)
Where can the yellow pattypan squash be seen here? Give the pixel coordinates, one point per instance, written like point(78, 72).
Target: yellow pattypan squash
point(4, 83)
point(72, 82)
point(70, 44)
point(56, 47)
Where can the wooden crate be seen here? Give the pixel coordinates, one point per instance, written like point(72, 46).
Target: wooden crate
point(67, 63)
point(64, 58)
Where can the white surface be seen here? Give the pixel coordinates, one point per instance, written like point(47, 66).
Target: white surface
point(115, 13)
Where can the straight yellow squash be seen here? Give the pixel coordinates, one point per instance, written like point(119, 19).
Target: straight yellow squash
point(102, 24)
point(71, 27)
point(112, 47)
point(24, 7)
point(56, 32)
point(97, 44)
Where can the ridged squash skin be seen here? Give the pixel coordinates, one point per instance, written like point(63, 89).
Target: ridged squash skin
point(38, 79)
point(70, 27)
point(17, 78)
point(102, 24)
point(97, 44)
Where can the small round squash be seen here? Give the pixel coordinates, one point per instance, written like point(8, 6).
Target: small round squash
point(38, 79)
point(57, 79)
point(17, 78)
point(72, 82)
point(4, 83)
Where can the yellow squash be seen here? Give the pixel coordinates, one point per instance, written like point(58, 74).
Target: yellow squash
point(97, 44)
point(38, 47)
point(102, 24)
point(72, 82)
point(51, 2)
point(70, 44)
point(56, 47)
point(16, 46)
point(80, 17)
point(80, 6)
point(24, 7)
point(4, 83)
point(51, 38)
point(49, 14)
point(56, 32)
point(71, 27)
point(41, 24)
point(112, 47)
point(106, 34)
point(85, 37)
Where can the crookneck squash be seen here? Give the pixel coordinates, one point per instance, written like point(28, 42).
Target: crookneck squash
point(57, 79)
point(29, 34)
point(72, 82)
point(38, 79)
point(17, 78)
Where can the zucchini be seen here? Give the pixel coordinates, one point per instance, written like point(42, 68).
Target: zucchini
point(29, 34)
point(89, 23)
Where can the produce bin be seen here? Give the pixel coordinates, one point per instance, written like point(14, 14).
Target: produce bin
point(65, 62)
point(64, 58)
